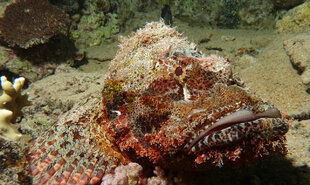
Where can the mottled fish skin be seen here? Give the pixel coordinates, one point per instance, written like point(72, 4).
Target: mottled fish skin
point(159, 98)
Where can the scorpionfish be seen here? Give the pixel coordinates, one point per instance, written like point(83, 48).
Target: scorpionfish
point(163, 103)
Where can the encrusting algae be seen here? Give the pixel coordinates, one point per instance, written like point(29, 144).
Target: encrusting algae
point(163, 104)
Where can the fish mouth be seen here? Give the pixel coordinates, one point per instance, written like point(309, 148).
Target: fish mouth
point(225, 130)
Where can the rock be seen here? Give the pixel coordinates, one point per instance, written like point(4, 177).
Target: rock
point(227, 38)
point(298, 49)
point(295, 20)
point(281, 4)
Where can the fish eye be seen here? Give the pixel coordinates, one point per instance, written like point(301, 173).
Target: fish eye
point(178, 71)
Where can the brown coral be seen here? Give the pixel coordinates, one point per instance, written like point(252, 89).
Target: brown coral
point(31, 22)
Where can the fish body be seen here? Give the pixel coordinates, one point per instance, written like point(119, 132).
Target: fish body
point(163, 103)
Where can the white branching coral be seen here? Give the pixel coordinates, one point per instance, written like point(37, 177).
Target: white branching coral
point(11, 103)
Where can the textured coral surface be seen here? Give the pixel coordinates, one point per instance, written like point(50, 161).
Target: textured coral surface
point(163, 104)
point(29, 22)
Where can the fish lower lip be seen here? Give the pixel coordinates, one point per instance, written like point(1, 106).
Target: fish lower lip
point(240, 116)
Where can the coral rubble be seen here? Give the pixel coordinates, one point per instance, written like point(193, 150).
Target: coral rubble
point(11, 103)
point(31, 22)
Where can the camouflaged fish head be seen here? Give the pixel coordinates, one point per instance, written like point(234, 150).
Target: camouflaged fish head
point(167, 103)
point(163, 103)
